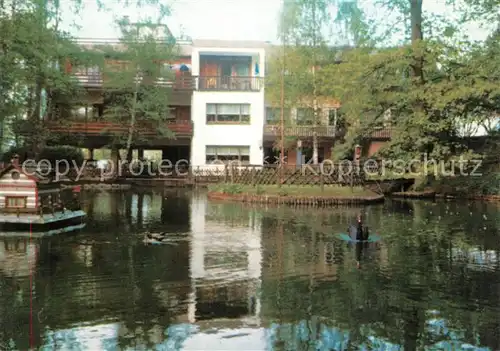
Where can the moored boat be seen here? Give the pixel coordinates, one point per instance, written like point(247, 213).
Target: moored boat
point(31, 201)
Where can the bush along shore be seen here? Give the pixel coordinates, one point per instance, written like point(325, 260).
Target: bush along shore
point(294, 195)
point(484, 187)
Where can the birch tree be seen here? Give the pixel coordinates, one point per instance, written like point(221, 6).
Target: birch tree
point(301, 26)
point(137, 86)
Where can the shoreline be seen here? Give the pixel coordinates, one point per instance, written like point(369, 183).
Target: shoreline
point(316, 201)
point(424, 195)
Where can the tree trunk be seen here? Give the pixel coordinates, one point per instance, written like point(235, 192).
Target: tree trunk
point(416, 36)
point(131, 127)
point(315, 92)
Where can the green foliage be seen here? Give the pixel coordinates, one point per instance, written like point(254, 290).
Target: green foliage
point(230, 189)
point(456, 87)
point(71, 154)
point(463, 186)
point(430, 90)
point(33, 54)
point(137, 90)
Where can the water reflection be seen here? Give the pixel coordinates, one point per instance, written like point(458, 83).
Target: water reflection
point(239, 277)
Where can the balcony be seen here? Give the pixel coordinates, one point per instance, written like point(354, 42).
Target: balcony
point(230, 83)
point(302, 131)
point(95, 80)
point(101, 128)
point(382, 133)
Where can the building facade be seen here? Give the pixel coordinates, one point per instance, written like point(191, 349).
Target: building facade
point(219, 111)
point(227, 108)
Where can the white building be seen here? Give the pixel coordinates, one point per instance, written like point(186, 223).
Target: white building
point(227, 106)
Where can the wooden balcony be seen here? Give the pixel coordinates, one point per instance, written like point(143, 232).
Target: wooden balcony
point(301, 131)
point(101, 128)
point(229, 83)
point(95, 80)
point(382, 133)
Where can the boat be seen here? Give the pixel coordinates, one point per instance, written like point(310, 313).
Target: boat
point(35, 202)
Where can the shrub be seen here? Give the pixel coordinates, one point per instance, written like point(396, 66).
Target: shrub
point(50, 153)
point(23, 153)
point(233, 189)
point(226, 188)
point(63, 152)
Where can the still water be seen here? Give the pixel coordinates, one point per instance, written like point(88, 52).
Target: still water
point(237, 277)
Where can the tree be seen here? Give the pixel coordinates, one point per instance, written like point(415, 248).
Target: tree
point(137, 87)
point(302, 27)
point(427, 85)
point(33, 48)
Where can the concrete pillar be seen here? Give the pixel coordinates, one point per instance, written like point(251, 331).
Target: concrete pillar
point(91, 154)
point(140, 153)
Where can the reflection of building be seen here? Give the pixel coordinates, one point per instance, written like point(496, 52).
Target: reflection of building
point(225, 267)
point(17, 257)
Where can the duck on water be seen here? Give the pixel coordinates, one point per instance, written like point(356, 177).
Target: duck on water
point(163, 238)
point(155, 238)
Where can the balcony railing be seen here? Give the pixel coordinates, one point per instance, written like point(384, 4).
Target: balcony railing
point(302, 131)
point(229, 83)
point(382, 133)
point(95, 80)
point(100, 128)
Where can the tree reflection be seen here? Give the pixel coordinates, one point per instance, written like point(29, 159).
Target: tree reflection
point(419, 275)
point(392, 299)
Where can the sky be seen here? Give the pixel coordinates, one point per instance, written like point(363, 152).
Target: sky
point(213, 19)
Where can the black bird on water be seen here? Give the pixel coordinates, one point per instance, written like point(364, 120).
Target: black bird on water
point(358, 232)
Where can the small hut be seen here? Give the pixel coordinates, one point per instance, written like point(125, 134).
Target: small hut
point(25, 193)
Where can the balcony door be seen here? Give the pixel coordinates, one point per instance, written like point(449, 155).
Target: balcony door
point(241, 70)
point(225, 69)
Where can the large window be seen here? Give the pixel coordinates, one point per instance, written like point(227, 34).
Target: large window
point(15, 201)
point(305, 116)
point(273, 115)
point(228, 113)
point(226, 154)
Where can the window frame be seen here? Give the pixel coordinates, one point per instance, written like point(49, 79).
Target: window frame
point(7, 198)
point(243, 158)
point(304, 120)
point(212, 118)
point(276, 111)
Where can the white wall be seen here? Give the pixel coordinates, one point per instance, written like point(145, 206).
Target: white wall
point(227, 135)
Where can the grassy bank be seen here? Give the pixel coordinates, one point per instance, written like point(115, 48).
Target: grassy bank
point(292, 190)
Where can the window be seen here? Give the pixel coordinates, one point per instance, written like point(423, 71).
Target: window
point(226, 154)
point(273, 115)
point(228, 113)
point(305, 116)
point(15, 201)
point(340, 118)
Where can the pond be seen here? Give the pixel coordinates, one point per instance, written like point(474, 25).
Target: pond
point(238, 277)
